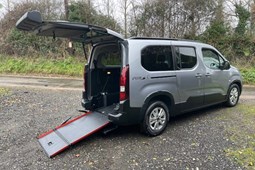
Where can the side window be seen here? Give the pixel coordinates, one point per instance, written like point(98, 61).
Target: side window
point(212, 59)
point(185, 57)
point(157, 58)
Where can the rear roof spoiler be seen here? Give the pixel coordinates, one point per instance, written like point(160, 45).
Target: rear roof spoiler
point(29, 21)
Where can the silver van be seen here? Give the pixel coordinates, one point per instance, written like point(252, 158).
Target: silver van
point(145, 80)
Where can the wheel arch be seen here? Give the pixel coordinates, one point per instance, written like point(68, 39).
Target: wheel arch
point(238, 83)
point(163, 96)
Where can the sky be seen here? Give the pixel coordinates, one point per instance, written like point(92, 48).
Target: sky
point(2, 8)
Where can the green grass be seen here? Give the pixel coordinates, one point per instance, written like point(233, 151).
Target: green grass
point(42, 66)
point(70, 67)
point(242, 135)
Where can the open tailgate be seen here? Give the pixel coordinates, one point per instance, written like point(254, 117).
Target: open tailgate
point(32, 21)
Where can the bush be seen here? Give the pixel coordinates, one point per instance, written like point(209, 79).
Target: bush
point(69, 66)
point(248, 75)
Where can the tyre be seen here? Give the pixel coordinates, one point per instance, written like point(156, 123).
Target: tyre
point(156, 118)
point(233, 95)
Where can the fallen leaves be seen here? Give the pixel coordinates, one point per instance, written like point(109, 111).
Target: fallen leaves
point(251, 164)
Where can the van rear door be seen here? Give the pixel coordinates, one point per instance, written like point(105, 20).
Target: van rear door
point(32, 21)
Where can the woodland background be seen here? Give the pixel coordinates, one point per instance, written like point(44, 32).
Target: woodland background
point(229, 25)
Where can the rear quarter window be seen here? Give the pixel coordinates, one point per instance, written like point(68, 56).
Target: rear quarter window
point(157, 58)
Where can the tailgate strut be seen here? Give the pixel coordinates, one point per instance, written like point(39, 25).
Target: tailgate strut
point(62, 137)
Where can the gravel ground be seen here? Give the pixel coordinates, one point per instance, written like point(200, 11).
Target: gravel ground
point(192, 141)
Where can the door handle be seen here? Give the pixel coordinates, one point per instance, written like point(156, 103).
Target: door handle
point(198, 75)
point(207, 74)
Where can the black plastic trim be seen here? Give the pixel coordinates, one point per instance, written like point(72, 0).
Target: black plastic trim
point(155, 95)
point(239, 83)
point(158, 77)
point(125, 115)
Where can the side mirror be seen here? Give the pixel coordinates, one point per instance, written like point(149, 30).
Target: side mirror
point(225, 66)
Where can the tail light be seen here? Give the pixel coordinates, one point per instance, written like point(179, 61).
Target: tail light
point(124, 83)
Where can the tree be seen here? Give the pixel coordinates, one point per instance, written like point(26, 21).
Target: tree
point(83, 11)
point(173, 18)
point(66, 4)
point(13, 41)
point(125, 6)
point(218, 32)
point(253, 19)
point(243, 16)
point(217, 29)
point(197, 14)
point(150, 19)
point(8, 5)
point(108, 4)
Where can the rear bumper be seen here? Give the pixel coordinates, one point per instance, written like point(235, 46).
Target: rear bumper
point(121, 114)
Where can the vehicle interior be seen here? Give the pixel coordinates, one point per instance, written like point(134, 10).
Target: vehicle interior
point(105, 68)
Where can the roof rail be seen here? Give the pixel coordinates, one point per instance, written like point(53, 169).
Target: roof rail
point(161, 38)
point(152, 38)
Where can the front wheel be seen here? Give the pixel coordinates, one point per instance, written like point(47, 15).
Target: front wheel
point(156, 118)
point(233, 95)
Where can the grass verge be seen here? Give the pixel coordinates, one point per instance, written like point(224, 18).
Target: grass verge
point(43, 66)
point(3, 91)
point(242, 134)
point(248, 75)
point(70, 67)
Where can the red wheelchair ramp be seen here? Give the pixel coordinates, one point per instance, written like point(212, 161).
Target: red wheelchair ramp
point(62, 137)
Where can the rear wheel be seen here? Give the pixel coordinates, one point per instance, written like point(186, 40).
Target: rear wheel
point(156, 118)
point(233, 95)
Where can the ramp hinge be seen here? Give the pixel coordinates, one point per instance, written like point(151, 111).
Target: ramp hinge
point(62, 137)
